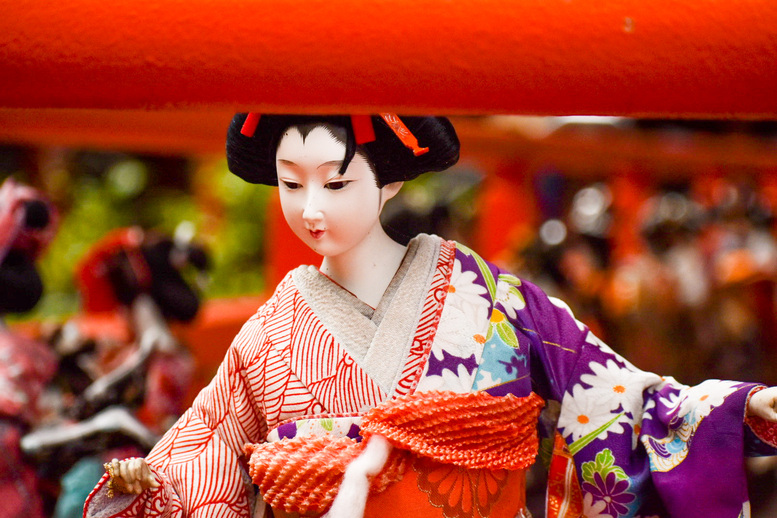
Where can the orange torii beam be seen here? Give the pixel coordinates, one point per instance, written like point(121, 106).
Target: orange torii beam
point(699, 58)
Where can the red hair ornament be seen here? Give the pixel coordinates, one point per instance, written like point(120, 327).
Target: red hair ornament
point(362, 129)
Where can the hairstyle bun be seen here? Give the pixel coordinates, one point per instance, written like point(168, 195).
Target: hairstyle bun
point(253, 158)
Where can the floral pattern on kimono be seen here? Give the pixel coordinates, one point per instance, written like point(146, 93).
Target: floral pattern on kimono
point(620, 442)
point(626, 443)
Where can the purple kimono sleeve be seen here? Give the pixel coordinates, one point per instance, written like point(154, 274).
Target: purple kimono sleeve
point(558, 340)
point(642, 444)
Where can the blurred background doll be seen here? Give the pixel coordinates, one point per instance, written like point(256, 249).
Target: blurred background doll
point(28, 223)
point(118, 396)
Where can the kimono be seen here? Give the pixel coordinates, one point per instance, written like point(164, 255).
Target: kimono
point(313, 360)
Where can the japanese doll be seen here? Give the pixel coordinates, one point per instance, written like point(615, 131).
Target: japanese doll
point(422, 380)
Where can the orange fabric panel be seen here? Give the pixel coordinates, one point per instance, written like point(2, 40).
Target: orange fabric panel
point(437, 490)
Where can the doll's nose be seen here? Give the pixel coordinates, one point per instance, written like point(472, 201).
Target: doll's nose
point(313, 210)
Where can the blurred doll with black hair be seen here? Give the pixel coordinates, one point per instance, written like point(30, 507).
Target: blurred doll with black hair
point(120, 407)
point(27, 225)
point(143, 275)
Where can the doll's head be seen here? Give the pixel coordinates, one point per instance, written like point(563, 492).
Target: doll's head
point(253, 158)
point(330, 210)
point(130, 262)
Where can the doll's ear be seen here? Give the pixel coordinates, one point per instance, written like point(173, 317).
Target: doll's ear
point(391, 189)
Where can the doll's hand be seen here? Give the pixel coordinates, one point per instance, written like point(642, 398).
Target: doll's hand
point(764, 404)
point(130, 476)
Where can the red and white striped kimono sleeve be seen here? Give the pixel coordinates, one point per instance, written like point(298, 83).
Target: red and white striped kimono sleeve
point(198, 461)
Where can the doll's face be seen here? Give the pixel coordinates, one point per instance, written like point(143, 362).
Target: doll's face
point(329, 212)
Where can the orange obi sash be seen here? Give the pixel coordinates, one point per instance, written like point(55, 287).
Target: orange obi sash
point(453, 455)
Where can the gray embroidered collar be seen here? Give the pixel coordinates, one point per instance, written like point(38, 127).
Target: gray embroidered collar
point(378, 339)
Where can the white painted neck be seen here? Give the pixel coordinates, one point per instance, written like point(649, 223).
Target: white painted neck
point(367, 269)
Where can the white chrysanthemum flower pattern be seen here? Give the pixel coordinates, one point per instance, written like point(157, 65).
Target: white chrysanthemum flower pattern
point(460, 382)
point(582, 413)
point(617, 387)
point(458, 335)
point(509, 297)
point(650, 404)
point(468, 296)
point(695, 403)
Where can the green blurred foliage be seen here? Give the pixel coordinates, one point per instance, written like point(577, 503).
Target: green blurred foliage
point(237, 249)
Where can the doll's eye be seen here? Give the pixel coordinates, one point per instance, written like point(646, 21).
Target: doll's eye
point(336, 186)
point(292, 186)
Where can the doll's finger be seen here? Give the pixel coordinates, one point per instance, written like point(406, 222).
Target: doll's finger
point(116, 471)
point(145, 476)
point(123, 472)
point(762, 404)
point(152, 482)
point(141, 475)
point(767, 412)
point(131, 475)
point(117, 482)
point(135, 468)
point(137, 475)
point(148, 481)
point(770, 404)
point(116, 465)
point(120, 480)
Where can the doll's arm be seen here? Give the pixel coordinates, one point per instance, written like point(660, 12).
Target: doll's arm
point(201, 454)
point(626, 423)
point(197, 462)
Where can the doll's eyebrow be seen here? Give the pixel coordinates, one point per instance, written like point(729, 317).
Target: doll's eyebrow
point(331, 163)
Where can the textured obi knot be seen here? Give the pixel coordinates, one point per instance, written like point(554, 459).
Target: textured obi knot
point(472, 430)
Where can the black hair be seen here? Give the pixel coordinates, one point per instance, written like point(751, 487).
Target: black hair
point(20, 284)
point(253, 158)
point(177, 300)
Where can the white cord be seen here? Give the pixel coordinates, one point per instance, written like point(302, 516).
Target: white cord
point(352, 496)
